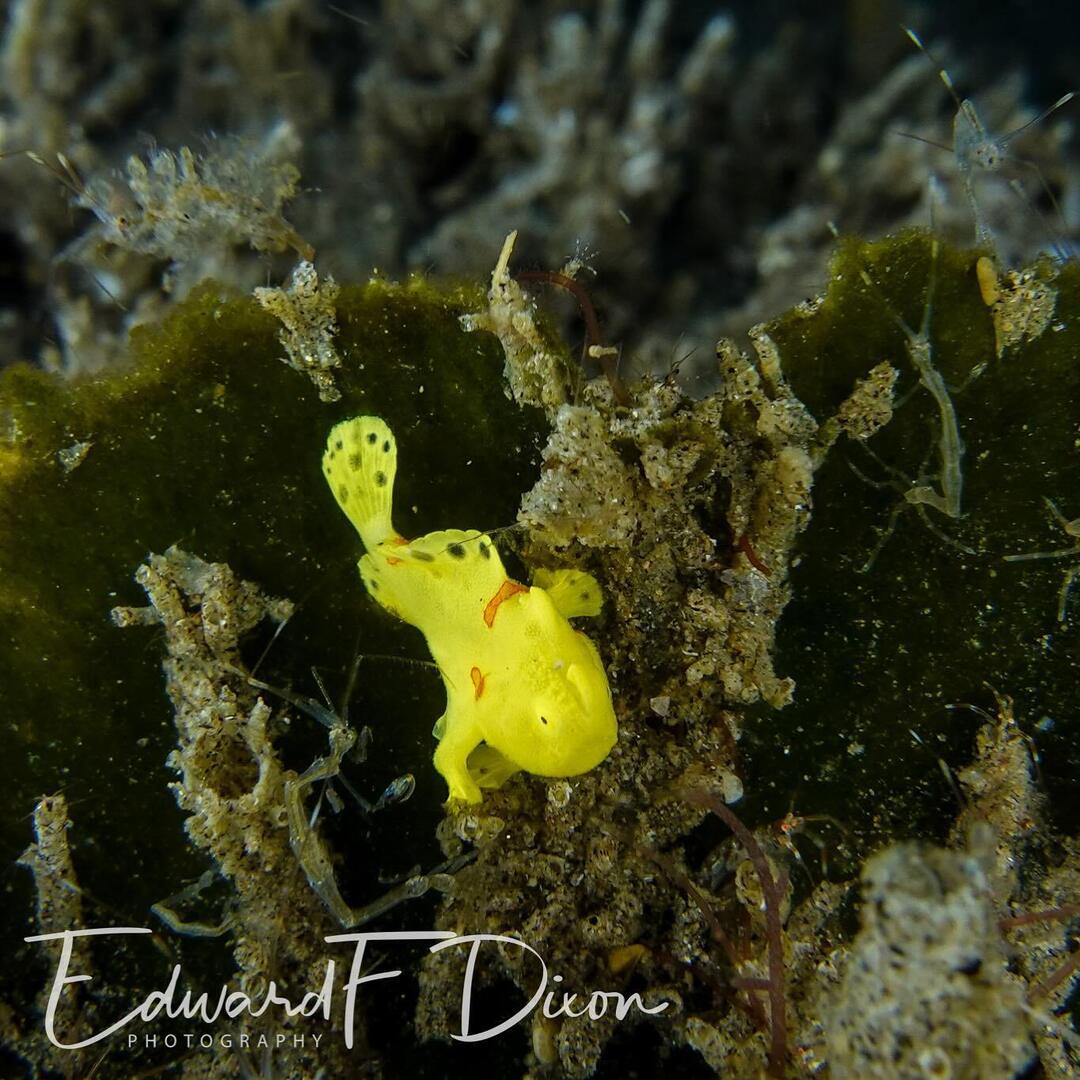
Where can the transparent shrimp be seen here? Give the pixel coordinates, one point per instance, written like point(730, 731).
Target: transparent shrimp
point(921, 493)
point(304, 839)
point(976, 149)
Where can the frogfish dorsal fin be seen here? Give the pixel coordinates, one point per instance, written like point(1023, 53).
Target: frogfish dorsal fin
point(359, 464)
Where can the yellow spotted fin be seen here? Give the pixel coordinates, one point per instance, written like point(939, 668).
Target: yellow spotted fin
point(573, 592)
point(359, 464)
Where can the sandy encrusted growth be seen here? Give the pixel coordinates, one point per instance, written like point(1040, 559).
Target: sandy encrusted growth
point(308, 316)
point(939, 983)
point(687, 511)
point(233, 787)
point(1034, 881)
point(926, 992)
point(59, 908)
point(1041, 935)
point(536, 373)
point(1022, 305)
point(963, 950)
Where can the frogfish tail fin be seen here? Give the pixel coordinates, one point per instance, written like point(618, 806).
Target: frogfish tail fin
point(359, 465)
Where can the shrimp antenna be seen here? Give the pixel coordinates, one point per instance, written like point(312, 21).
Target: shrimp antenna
point(1063, 100)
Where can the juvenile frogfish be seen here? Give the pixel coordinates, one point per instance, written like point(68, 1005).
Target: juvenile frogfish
point(524, 689)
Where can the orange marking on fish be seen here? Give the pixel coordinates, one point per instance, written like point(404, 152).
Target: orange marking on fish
point(507, 589)
point(398, 540)
point(392, 560)
point(478, 683)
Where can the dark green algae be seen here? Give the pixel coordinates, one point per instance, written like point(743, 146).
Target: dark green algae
point(887, 660)
point(208, 441)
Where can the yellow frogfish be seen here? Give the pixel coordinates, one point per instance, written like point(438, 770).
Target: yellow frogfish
point(524, 689)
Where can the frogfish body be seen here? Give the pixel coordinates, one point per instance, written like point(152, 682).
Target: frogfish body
point(524, 689)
